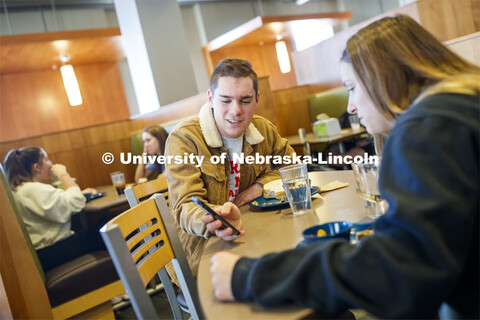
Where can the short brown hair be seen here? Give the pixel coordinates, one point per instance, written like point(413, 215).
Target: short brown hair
point(396, 59)
point(233, 67)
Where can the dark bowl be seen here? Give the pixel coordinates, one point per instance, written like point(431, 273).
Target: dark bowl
point(331, 230)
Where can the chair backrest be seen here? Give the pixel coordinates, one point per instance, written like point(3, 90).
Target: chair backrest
point(24, 286)
point(141, 241)
point(11, 199)
point(139, 192)
point(332, 102)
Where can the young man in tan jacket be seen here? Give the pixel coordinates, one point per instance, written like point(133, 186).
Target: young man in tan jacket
point(225, 129)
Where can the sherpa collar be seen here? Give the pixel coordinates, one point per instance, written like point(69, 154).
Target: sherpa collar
point(211, 134)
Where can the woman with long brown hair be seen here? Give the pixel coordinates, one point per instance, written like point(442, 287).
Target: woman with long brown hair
point(425, 252)
point(154, 139)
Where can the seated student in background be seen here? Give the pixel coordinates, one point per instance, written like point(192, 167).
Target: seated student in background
point(425, 251)
point(225, 125)
point(46, 210)
point(154, 138)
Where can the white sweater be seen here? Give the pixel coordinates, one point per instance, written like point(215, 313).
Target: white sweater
point(47, 211)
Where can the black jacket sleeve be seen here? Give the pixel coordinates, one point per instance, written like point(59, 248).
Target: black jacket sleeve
point(425, 248)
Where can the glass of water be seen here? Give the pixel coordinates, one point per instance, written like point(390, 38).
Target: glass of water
point(366, 176)
point(297, 188)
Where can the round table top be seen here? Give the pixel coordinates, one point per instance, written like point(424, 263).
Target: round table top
point(276, 230)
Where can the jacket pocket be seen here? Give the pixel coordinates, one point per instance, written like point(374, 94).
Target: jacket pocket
point(214, 179)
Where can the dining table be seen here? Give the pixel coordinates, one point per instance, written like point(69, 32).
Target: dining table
point(312, 139)
point(101, 209)
point(276, 229)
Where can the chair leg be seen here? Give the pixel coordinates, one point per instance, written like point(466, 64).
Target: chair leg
point(171, 295)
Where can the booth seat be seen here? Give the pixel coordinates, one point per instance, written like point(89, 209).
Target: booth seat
point(332, 102)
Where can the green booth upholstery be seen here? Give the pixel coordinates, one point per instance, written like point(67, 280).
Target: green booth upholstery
point(332, 102)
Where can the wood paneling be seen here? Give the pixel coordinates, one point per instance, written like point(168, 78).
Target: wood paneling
point(81, 150)
point(264, 61)
point(35, 103)
point(292, 108)
point(266, 104)
point(449, 19)
point(446, 19)
point(41, 51)
point(468, 47)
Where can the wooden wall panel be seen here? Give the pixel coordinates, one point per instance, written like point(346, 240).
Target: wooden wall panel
point(292, 108)
point(81, 150)
point(446, 19)
point(266, 105)
point(35, 103)
point(264, 61)
point(449, 19)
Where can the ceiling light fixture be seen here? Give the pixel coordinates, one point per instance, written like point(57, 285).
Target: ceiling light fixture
point(70, 82)
point(300, 2)
point(282, 56)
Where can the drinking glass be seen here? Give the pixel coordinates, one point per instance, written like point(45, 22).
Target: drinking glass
point(118, 180)
point(354, 122)
point(297, 188)
point(366, 176)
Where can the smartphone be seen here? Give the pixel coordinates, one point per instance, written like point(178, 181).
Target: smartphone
point(97, 195)
point(209, 210)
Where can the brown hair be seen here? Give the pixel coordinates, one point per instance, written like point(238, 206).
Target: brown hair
point(19, 164)
point(397, 60)
point(233, 67)
point(160, 134)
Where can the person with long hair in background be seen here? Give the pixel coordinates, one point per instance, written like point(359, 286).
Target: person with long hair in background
point(425, 252)
point(47, 211)
point(154, 138)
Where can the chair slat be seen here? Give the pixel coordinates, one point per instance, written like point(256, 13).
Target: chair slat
point(152, 258)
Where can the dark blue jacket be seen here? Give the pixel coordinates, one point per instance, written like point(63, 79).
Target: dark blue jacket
point(426, 247)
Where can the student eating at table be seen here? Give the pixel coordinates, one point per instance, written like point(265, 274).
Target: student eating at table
point(47, 211)
point(154, 138)
point(425, 251)
point(226, 125)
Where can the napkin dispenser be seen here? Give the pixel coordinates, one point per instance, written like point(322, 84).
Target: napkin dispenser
point(327, 128)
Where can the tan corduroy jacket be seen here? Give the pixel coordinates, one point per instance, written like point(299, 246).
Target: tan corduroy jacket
point(210, 182)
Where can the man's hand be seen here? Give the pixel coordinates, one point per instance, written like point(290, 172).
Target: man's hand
point(232, 214)
point(222, 265)
point(247, 195)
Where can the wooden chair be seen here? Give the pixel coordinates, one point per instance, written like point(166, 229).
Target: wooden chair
point(141, 241)
point(30, 292)
point(140, 192)
point(135, 195)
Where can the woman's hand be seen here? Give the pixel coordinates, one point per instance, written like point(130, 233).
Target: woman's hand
point(59, 170)
point(222, 265)
point(232, 214)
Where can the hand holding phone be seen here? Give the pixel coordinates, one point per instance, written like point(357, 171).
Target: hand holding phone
point(209, 210)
